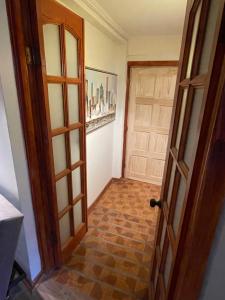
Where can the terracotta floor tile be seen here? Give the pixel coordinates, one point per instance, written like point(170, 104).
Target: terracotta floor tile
point(113, 259)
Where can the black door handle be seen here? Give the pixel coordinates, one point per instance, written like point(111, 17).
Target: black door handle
point(154, 202)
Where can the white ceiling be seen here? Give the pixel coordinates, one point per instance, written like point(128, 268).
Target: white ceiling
point(147, 17)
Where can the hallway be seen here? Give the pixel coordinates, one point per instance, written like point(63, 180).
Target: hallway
point(113, 259)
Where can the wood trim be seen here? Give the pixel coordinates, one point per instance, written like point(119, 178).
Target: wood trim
point(19, 40)
point(25, 30)
point(195, 245)
point(156, 63)
point(94, 204)
point(191, 257)
point(133, 64)
point(101, 71)
point(71, 244)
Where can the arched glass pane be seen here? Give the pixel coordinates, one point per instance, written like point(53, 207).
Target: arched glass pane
point(209, 35)
point(71, 55)
point(193, 41)
point(52, 49)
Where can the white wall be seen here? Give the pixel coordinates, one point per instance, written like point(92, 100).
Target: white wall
point(164, 47)
point(104, 146)
point(104, 50)
point(14, 180)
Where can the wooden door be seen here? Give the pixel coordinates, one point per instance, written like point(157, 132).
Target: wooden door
point(192, 101)
point(61, 40)
point(149, 114)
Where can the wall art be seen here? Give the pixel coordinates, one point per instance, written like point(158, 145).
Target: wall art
point(101, 95)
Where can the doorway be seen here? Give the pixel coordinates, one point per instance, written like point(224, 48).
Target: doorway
point(149, 103)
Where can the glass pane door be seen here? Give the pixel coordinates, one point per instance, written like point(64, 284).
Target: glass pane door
point(187, 118)
point(63, 75)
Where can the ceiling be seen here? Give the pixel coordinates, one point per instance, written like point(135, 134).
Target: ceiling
point(147, 17)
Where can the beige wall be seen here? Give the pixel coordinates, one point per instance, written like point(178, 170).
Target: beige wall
point(154, 48)
point(103, 50)
point(104, 146)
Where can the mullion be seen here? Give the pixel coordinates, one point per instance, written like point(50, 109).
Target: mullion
point(61, 130)
point(62, 79)
point(180, 164)
point(67, 134)
point(70, 128)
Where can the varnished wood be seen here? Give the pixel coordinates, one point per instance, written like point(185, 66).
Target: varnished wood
point(62, 79)
point(210, 184)
point(72, 243)
point(51, 12)
point(27, 18)
point(19, 22)
point(189, 243)
point(160, 63)
point(62, 130)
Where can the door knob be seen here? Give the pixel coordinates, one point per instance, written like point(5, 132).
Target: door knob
point(154, 202)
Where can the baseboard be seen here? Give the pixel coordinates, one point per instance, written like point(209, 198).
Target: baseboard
point(93, 205)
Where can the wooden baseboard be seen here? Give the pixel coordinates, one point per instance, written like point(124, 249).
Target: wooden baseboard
point(93, 205)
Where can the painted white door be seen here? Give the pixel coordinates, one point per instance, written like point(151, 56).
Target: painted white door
point(149, 114)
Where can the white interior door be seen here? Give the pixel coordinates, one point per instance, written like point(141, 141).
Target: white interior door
point(149, 114)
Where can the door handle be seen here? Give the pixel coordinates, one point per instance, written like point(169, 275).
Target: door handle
point(154, 202)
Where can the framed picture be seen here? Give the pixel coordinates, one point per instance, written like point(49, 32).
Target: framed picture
point(101, 95)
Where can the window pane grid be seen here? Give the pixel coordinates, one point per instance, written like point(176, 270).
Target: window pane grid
point(66, 126)
point(195, 30)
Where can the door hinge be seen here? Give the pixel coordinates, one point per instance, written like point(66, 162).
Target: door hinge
point(32, 56)
point(28, 55)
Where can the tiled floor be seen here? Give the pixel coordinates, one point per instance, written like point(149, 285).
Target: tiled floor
point(113, 259)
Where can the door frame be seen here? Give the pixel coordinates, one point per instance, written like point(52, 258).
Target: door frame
point(23, 28)
point(130, 65)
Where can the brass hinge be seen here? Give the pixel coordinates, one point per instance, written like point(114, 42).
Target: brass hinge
point(29, 58)
point(32, 56)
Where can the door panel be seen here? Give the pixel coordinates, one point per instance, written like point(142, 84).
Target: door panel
point(61, 42)
point(150, 109)
point(191, 94)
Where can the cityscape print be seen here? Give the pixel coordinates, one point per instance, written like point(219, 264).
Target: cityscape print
point(101, 93)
